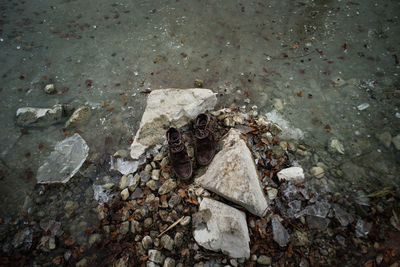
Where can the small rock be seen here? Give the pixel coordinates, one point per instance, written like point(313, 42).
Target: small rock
point(125, 194)
point(155, 174)
point(82, 263)
point(363, 106)
point(178, 239)
point(70, 206)
point(167, 242)
point(275, 129)
point(272, 193)
point(229, 122)
point(153, 185)
point(39, 116)
point(264, 260)
point(147, 222)
point(336, 147)
point(49, 89)
point(318, 172)
point(291, 174)
point(385, 138)
point(268, 136)
point(278, 104)
point(284, 145)
point(94, 238)
point(122, 153)
point(174, 200)
point(233, 262)
point(263, 121)
point(185, 221)
point(78, 117)
point(156, 256)
point(108, 186)
point(124, 228)
point(198, 83)
point(135, 227)
point(167, 187)
point(238, 119)
point(396, 141)
point(147, 242)
point(277, 151)
point(169, 262)
point(132, 185)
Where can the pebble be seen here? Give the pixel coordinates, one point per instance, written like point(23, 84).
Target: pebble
point(229, 122)
point(49, 89)
point(167, 187)
point(147, 222)
point(396, 141)
point(253, 257)
point(233, 262)
point(185, 221)
point(363, 106)
point(198, 83)
point(124, 228)
point(335, 146)
point(238, 119)
point(122, 153)
point(156, 256)
point(94, 238)
point(167, 242)
point(275, 129)
point(385, 138)
point(164, 162)
point(125, 194)
point(264, 260)
point(78, 117)
point(318, 172)
point(169, 262)
point(268, 136)
point(108, 186)
point(155, 174)
point(178, 239)
point(284, 145)
point(135, 227)
point(152, 184)
point(147, 242)
point(272, 193)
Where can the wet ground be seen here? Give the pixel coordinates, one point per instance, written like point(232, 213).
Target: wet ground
point(315, 62)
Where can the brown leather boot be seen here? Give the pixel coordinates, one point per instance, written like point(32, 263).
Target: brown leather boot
point(205, 140)
point(180, 161)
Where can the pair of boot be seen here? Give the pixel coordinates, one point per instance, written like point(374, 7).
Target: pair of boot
point(205, 147)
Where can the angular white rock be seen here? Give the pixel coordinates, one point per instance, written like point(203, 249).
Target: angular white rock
point(30, 115)
point(226, 230)
point(169, 107)
point(295, 174)
point(233, 175)
point(125, 167)
point(66, 159)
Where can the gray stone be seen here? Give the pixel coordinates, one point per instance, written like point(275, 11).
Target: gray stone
point(272, 193)
point(233, 175)
point(295, 174)
point(396, 141)
point(49, 89)
point(318, 172)
point(39, 116)
point(185, 221)
point(167, 187)
point(94, 238)
point(135, 227)
point(169, 107)
point(147, 222)
point(47, 243)
point(385, 138)
point(63, 163)
point(280, 234)
point(155, 174)
point(151, 264)
point(169, 262)
point(125, 194)
point(222, 228)
point(156, 256)
point(125, 167)
point(124, 229)
point(147, 242)
point(78, 117)
point(264, 260)
point(70, 206)
point(153, 185)
point(178, 239)
point(128, 181)
point(174, 200)
point(167, 242)
point(335, 146)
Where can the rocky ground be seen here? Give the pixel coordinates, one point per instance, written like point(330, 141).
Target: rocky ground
point(149, 217)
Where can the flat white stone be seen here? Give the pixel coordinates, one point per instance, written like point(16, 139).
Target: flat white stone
point(169, 108)
point(233, 175)
point(225, 230)
point(30, 115)
point(295, 174)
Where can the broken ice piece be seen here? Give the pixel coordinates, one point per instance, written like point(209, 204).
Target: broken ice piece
point(362, 228)
point(363, 106)
point(319, 209)
point(124, 167)
point(280, 234)
point(101, 195)
point(342, 216)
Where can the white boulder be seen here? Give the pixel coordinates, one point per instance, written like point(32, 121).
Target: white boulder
point(295, 174)
point(233, 175)
point(169, 107)
point(223, 229)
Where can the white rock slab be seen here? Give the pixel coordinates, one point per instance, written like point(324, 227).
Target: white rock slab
point(295, 174)
point(66, 159)
point(30, 115)
point(233, 175)
point(169, 107)
point(225, 230)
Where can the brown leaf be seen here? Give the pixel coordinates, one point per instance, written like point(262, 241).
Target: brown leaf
point(184, 252)
point(299, 94)
point(181, 193)
point(57, 260)
point(89, 230)
point(69, 241)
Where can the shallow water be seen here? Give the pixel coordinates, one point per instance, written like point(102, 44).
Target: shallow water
point(313, 61)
